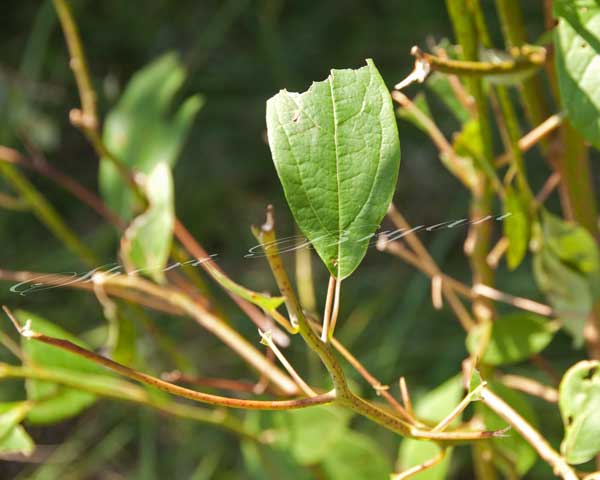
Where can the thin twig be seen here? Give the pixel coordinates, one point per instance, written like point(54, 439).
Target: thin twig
point(530, 386)
point(268, 341)
point(530, 139)
point(327, 311)
point(405, 395)
point(532, 436)
point(238, 386)
point(421, 467)
point(171, 388)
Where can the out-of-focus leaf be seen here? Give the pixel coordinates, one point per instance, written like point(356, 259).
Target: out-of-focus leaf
point(434, 407)
point(512, 447)
point(259, 299)
point(11, 414)
point(467, 143)
point(514, 338)
point(141, 132)
point(573, 244)
point(579, 402)
point(355, 457)
point(439, 84)
point(516, 227)
point(337, 153)
point(17, 441)
point(577, 46)
point(311, 434)
point(420, 101)
point(271, 462)
point(147, 241)
point(566, 269)
point(567, 291)
point(54, 402)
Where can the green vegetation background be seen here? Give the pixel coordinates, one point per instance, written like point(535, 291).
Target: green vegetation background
point(239, 53)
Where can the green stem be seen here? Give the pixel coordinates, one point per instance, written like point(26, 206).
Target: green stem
point(47, 214)
point(343, 394)
point(78, 64)
point(515, 35)
point(464, 14)
point(527, 58)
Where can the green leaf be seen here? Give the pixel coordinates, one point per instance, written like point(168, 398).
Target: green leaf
point(567, 291)
point(311, 434)
point(516, 227)
point(567, 270)
point(147, 241)
point(577, 46)
point(573, 244)
point(337, 153)
point(434, 407)
point(512, 447)
point(263, 301)
point(467, 143)
point(579, 403)
point(17, 441)
point(355, 457)
point(141, 132)
point(514, 338)
point(11, 414)
point(54, 402)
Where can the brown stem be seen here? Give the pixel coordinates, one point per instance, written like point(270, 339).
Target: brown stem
point(171, 388)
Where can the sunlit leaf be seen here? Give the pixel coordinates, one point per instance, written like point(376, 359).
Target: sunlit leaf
point(577, 47)
point(17, 441)
point(11, 414)
point(142, 132)
point(514, 338)
point(337, 153)
point(147, 241)
point(579, 402)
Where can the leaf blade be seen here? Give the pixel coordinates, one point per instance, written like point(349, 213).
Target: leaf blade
point(336, 151)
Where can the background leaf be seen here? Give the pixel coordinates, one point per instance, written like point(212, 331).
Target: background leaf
point(337, 153)
point(139, 130)
point(54, 402)
point(514, 338)
point(567, 270)
point(433, 406)
point(356, 457)
point(577, 46)
point(147, 241)
point(516, 227)
point(579, 402)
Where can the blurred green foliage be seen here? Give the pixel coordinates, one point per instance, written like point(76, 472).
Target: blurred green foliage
point(237, 53)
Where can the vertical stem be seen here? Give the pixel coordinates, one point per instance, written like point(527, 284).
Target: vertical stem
point(515, 35)
point(78, 64)
point(463, 14)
